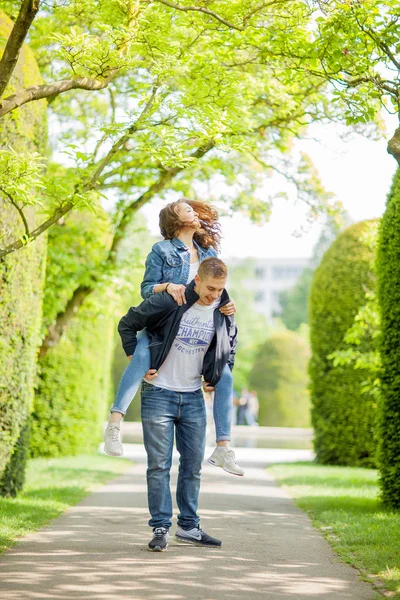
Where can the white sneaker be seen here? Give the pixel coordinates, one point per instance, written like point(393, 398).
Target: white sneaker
point(224, 457)
point(112, 440)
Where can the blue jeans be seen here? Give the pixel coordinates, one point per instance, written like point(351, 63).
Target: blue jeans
point(164, 411)
point(137, 369)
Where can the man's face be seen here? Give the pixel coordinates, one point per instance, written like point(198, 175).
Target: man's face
point(209, 289)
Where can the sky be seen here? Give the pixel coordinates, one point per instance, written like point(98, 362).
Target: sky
point(356, 169)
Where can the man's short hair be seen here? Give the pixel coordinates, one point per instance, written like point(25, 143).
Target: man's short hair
point(212, 267)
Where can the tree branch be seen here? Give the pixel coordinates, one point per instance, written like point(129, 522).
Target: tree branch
point(82, 292)
point(27, 13)
point(19, 209)
point(206, 11)
point(57, 329)
point(124, 138)
point(156, 187)
point(38, 231)
point(89, 185)
point(376, 38)
point(262, 5)
point(393, 146)
point(50, 90)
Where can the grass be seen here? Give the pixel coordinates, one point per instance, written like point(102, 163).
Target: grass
point(52, 485)
point(343, 502)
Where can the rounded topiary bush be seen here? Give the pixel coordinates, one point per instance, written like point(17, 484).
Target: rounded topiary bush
point(21, 280)
point(280, 378)
point(388, 270)
point(343, 418)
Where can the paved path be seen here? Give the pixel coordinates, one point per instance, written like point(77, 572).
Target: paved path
point(98, 549)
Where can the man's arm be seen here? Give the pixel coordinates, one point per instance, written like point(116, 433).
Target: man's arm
point(148, 314)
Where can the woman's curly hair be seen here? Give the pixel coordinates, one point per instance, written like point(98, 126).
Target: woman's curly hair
point(208, 235)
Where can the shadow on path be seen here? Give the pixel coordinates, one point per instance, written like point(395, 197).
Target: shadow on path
point(98, 549)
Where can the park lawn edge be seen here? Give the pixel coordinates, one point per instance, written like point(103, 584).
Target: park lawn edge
point(346, 557)
point(52, 486)
point(332, 535)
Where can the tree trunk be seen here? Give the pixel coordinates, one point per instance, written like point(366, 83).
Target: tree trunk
point(393, 146)
point(28, 11)
point(63, 318)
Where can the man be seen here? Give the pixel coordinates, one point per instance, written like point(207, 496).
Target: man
point(186, 343)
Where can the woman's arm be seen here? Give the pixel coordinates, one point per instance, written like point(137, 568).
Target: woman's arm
point(153, 279)
point(153, 276)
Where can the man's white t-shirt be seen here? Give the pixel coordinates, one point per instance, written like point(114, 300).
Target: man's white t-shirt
point(181, 370)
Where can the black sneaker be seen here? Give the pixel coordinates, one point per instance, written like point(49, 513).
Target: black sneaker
point(159, 543)
point(197, 537)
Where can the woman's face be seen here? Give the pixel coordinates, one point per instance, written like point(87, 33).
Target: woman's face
point(187, 216)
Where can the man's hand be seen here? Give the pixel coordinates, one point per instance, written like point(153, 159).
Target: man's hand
point(207, 387)
point(177, 291)
point(150, 375)
point(229, 309)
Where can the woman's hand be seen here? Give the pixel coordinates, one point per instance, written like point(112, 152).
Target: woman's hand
point(207, 387)
point(177, 291)
point(229, 309)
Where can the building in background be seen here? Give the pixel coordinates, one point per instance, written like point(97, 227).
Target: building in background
point(267, 278)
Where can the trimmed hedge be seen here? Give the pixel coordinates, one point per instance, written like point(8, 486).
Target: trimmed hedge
point(388, 266)
point(343, 418)
point(280, 378)
point(73, 386)
point(21, 283)
point(13, 477)
point(73, 389)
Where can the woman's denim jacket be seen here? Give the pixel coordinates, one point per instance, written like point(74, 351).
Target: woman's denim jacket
point(169, 260)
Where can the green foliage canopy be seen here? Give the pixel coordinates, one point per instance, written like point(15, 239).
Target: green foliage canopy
point(140, 116)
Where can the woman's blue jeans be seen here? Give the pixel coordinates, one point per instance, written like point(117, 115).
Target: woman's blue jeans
point(137, 369)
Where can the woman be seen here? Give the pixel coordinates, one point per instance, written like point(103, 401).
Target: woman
point(191, 233)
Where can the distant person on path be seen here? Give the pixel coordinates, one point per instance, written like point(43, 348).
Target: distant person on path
point(253, 408)
point(187, 341)
point(191, 233)
point(248, 407)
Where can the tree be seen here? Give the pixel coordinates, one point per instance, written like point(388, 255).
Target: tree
point(354, 49)
point(154, 118)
